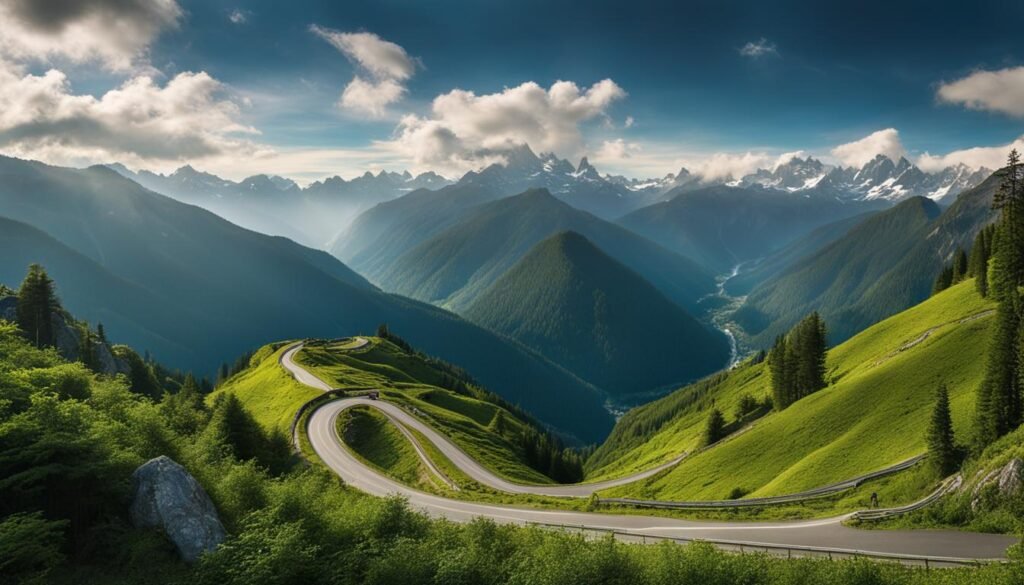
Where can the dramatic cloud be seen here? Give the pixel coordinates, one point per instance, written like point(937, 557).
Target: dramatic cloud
point(990, 157)
point(759, 48)
point(385, 62)
point(465, 130)
point(859, 152)
point(995, 91)
point(116, 33)
point(187, 119)
point(616, 150)
point(371, 97)
point(723, 166)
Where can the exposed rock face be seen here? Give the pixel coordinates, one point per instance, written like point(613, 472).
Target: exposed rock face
point(167, 497)
point(1010, 477)
point(1008, 480)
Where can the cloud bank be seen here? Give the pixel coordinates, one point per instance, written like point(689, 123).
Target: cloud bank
point(140, 121)
point(464, 130)
point(994, 91)
point(859, 152)
point(115, 33)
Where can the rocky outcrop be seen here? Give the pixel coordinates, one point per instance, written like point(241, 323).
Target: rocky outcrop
point(167, 497)
point(1007, 480)
point(68, 339)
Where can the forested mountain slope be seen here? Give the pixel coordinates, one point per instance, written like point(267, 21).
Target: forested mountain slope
point(573, 303)
point(884, 265)
point(460, 262)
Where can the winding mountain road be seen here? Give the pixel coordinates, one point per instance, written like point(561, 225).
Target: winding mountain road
point(823, 535)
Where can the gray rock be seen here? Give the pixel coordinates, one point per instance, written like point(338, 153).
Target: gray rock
point(1010, 477)
point(1007, 479)
point(65, 337)
point(108, 362)
point(166, 496)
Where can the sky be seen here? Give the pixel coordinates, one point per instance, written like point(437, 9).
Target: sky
point(310, 89)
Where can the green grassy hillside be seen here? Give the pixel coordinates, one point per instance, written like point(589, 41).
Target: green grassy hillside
point(573, 303)
point(461, 411)
point(873, 413)
point(267, 391)
point(455, 266)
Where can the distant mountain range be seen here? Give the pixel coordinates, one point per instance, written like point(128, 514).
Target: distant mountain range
point(879, 179)
point(278, 206)
point(321, 212)
point(577, 305)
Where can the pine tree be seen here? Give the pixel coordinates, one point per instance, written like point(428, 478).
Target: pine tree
point(714, 431)
point(940, 440)
point(87, 348)
point(797, 361)
point(777, 367)
point(959, 265)
point(36, 303)
point(977, 267)
point(944, 280)
point(101, 333)
point(998, 408)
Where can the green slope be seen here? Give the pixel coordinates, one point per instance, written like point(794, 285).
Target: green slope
point(873, 414)
point(886, 281)
point(723, 226)
point(455, 266)
point(573, 303)
point(464, 416)
point(229, 290)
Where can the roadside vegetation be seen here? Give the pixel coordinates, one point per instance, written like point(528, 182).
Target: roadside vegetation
point(70, 439)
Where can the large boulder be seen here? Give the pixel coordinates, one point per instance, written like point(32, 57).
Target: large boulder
point(166, 496)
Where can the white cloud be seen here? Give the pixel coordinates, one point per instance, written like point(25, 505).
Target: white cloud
point(189, 118)
point(758, 48)
point(369, 97)
point(385, 62)
point(859, 152)
point(723, 165)
point(116, 33)
point(991, 157)
point(465, 130)
point(239, 16)
point(629, 122)
point(616, 150)
point(383, 59)
point(996, 91)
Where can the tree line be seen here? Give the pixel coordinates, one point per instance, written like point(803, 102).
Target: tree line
point(797, 361)
point(975, 266)
point(999, 407)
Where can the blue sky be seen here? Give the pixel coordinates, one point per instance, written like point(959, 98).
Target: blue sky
point(815, 75)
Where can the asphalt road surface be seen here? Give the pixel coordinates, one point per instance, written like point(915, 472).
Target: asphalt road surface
point(819, 534)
